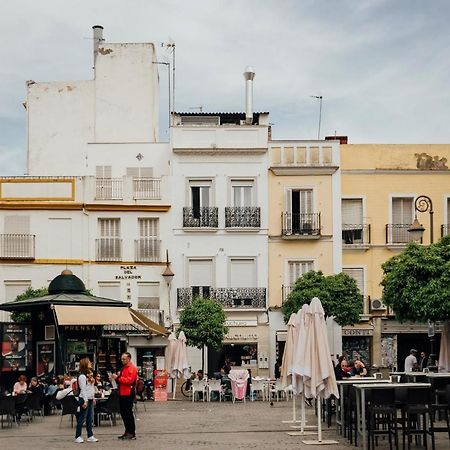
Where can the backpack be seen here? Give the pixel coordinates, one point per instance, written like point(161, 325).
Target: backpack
point(76, 387)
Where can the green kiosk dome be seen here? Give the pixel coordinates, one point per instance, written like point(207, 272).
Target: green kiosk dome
point(67, 282)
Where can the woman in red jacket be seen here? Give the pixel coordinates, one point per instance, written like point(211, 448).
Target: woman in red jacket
point(127, 380)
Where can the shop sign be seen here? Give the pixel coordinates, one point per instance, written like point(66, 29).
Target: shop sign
point(357, 332)
point(79, 327)
point(160, 385)
point(242, 336)
point(16, 351)
point(241, 323)
point(128, 273)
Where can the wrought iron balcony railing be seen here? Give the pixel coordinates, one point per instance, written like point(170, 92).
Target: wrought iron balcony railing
point(108, 249)
point(445, 229)
point(17, 246)
point(108, 189)
point(242, 217)
point(147, 250)
point(229, 298)
point(397, 233)
point(355, 234)
point(146, 188)
point(300, 224)
point(203, 217)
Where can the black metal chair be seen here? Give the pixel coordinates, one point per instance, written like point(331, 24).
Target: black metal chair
point(8, 409)
point(69, 405)
point(415, 412)
point(21, 406)
point(108, 408)
point(34, 404)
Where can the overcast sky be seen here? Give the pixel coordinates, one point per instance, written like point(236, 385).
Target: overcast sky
point(382, 66)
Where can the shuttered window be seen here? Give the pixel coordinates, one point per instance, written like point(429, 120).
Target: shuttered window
point(299, 201)
point(109, 289)
point(13, 288)
point(148, 295)
point(148, 227)
point(140, 172)
point(242, 273)
point(402, 210)
point(242, 193)
point(103, 171)
point(352, 211)
point(16, 224)
point(357, 273)
point(297, 269)
point(109, 228)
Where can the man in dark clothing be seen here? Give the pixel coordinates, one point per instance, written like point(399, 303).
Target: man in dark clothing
point(127, 380)
point(423, 361)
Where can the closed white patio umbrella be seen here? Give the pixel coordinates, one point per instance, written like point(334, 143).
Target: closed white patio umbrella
point(170, 356)
point(444, 352)
point(180, 367)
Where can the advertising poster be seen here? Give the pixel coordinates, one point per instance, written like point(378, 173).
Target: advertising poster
point(160, 386)
point(45, 361)
point(15, 352)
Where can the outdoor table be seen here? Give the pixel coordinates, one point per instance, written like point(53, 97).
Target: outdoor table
point(361, 403)
point(340, 416)
point(416, 376)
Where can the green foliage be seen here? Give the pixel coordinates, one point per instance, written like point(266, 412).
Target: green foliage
point(339, 295)
point(416, 283)
point(21, 317)
point(203, 322)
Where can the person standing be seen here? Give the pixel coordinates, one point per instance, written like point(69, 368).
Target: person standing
point(86, 401)
point(411, 361)
point(127, 380)
point(423, 361)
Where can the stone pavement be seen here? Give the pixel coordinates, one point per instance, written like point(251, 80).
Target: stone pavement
point(185, 425)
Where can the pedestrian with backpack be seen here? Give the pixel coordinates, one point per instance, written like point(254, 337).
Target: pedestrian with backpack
point(86, 400)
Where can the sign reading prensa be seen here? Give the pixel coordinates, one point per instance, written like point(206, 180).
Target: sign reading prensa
point(128, 273)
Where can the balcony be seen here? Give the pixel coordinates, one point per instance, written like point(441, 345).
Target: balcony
point(229, 298)
point(157, 315)
point(300, 225)
point(17, 246)
point(397, 234)
point(108, 189)
point(147, 250)
point(108, 249)
point(242, 217)
point(146, 188)
point(445, 230)
point(203, 217)
point(355, 235)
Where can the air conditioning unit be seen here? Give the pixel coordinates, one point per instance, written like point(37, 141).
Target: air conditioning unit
point(377, 305)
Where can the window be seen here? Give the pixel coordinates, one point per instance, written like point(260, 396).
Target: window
point(200, 192)
point(200, 276)
point(140, 172)
point(109, 244)
point(17, 242)
point(109, 289)
point(147, 248)
point(357, 273)
point(16, 224)
point(242, 272)
point(298, 268)
point(242, 193)
point(148, 295)
point(352, 221)
point(13, 288)
point(103, 171)
point(402, 217)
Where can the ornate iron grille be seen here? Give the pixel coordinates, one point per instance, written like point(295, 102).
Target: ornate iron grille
point(242, 217)
point(300, 224)
point(205, 216)
point(229, 298)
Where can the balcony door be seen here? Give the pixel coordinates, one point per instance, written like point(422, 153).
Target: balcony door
point(242, 193)
point(296, 269)
point(242, 280)
point(200, 197)
point(109, 248)
point(352, 220)
point(148, 242)
point(200, 276)
point(402, 218)
point(299, 205)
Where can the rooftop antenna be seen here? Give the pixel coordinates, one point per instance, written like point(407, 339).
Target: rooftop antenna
point(318, 97)
point(170, 45)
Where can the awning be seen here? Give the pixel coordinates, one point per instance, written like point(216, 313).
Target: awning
point(147, 323)
point(92, 315)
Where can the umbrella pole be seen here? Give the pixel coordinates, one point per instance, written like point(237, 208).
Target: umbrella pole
point(294, 418)
point(174, 387)
point(320, 441)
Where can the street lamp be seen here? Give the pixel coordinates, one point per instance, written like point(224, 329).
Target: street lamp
point(168, 276)
point(431, 333)
point(422, 204)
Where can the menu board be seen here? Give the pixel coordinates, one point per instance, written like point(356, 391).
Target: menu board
point(45, 358)
point(16, 354)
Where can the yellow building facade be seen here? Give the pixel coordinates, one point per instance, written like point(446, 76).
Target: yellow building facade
point(380, 185)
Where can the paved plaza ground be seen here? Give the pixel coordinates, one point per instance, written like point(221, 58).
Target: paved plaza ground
point(186, 425)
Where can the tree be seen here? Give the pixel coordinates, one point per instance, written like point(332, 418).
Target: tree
point(339, 295)
point(416, 283)
point(21, 317)
point(203, 322)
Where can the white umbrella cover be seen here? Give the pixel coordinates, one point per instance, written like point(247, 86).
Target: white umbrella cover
point(180, 366)
point(170, 351)
point(298, 361)
point(444, 352)
point(291, 340)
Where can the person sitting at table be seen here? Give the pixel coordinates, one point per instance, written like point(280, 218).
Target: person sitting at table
point(99, 382)
point(341, 369)
point(36, 386)
point(199, 375)
point(359, 369)
point(20, 387)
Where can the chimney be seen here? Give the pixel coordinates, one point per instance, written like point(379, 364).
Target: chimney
point(98, 38)
point(249, 75)
point(342, 139)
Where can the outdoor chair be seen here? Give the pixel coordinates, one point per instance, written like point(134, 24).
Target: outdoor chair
point(139, 396)
point(258, 386)
point(198, 387)
point(226, 388)
point(382, 417)
point(417, 407)
point(34, 405)
point(69, 405)
point(108, 409)
point(21, 407)
point(215, 386)
point(8, 409)
point(278, 390)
